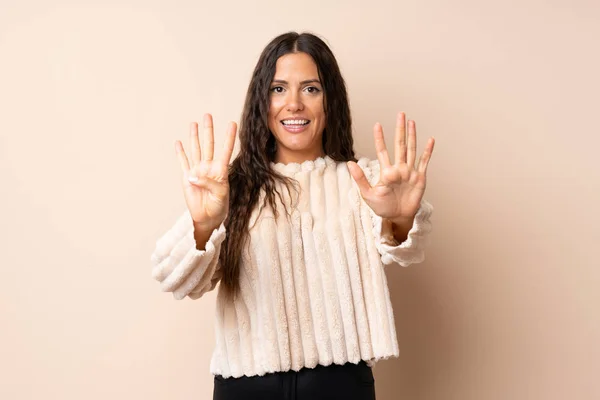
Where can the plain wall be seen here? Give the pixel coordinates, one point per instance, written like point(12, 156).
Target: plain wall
point(93, 95)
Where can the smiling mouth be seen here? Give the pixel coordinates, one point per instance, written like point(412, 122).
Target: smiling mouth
point(295, 122)
point(295, 125)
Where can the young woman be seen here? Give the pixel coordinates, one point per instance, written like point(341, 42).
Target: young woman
point(297, 231)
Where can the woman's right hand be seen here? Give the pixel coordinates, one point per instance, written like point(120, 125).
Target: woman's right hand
point(207, 198)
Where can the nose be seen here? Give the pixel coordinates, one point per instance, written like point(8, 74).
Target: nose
point(294, 102)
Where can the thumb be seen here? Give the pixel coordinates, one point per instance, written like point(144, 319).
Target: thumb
point(217, 188)
point(359, 176)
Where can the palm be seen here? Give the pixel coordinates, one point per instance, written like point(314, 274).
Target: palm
point(206, 204)
point(207, 198)
point(398, 194)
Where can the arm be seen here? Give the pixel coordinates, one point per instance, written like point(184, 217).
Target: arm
point(186, 260)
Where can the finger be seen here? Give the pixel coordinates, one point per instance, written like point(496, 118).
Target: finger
point(211, 185)
point(380, 147)
point(195, 142)
point(412, 144)
point(360, 178)
point(426, 156)
point(183, 161)
point(229, 144)
point(400, 141)
point(209, 138)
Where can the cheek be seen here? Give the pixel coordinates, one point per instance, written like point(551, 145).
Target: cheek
point(272, 124)
point(276, 103)
point(319, 113)
point(317, 109)
point(272, 114)
point(274, 109)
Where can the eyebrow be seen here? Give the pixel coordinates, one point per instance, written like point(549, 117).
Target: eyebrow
point(302, 83)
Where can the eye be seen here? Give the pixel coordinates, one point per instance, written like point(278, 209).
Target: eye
point(277, 89)
point(313, 89)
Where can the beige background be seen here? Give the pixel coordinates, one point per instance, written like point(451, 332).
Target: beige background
point(93, 95)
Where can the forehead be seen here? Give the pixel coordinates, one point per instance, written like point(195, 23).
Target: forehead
point(296, 66)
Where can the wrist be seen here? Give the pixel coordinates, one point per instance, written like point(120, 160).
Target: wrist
point(202, 234)
point(206, 226)
point(402, 221)
point(400, 228)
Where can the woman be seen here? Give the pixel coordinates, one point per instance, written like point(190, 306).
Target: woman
point(297, 231)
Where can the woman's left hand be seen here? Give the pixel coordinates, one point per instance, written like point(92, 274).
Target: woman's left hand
point(397, 196)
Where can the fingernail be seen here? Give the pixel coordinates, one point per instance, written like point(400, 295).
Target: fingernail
point(193, 178)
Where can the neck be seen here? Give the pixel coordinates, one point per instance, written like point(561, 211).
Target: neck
point(286, 157)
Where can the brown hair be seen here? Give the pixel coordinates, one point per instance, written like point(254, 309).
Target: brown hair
point(250, 171)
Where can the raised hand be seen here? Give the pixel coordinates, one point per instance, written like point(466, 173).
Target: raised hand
point(205, 182)
point(397, 195)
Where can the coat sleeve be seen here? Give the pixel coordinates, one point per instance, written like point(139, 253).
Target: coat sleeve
point(180, 267)
point(412, 250)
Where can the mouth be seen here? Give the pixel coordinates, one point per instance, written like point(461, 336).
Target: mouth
point(295, 125)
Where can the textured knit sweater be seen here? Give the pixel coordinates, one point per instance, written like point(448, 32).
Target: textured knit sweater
point(313, 288)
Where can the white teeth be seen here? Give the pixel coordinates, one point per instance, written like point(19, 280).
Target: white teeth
point(295, 122)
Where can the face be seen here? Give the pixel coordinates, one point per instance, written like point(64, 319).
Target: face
point(296, 112)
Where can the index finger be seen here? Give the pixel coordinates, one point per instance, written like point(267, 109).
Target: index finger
point(380, 147)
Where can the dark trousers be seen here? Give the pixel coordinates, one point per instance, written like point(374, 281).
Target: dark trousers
point(347, 382)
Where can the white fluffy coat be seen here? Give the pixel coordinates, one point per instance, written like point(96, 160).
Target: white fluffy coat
point(313, 287)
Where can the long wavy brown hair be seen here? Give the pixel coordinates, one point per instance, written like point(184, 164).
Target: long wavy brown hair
point(250, 172)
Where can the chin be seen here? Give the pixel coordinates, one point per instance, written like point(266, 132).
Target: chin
point(296, 144)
